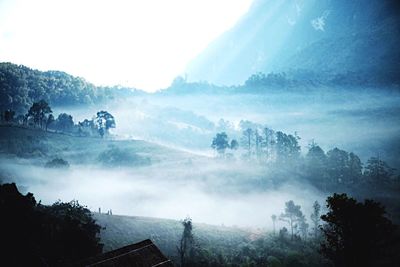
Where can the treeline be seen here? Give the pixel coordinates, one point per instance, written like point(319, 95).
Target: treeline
point(21, 86)
point(350, 233)
point(40, 116)
point(297, 79)
point(329, 171)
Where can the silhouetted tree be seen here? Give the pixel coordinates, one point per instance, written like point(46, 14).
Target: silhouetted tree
point(292, 216)
point(38, 112)
point(234, 144)
point(104, 121)
point(355, 169)
point(316, 219)
point(378, 171)
point(186, 241)
point(303, 227)
point(315, 166)
point(9, 115)
point(64, 122)
point(287, 147)
point(36, 235)
point(247, 141)
point(50, 120)
point(268, 143)
point(273, 217)
point(356, 234)
point(220, 143)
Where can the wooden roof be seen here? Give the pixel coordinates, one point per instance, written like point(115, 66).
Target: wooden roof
point(142, 254)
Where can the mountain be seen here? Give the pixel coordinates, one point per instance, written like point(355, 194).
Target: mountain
point(323, 37)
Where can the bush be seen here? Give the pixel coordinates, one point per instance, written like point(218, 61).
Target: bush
point(116, 157)
point(57, 163)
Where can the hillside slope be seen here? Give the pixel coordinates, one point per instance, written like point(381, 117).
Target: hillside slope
point(119, 231)
point(40, 146)
point(322, 36)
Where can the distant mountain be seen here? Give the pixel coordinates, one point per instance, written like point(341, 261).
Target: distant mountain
point(323, 37)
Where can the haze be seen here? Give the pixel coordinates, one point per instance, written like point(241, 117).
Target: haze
point(146, 44)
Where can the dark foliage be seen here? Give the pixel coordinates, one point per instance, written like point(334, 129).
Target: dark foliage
point(36, 235)
point(57, 163)
point(357, 234)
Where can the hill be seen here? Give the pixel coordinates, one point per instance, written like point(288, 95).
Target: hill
point(119, 231)
point(40, 146)
point(320, 38)
point(21, 86)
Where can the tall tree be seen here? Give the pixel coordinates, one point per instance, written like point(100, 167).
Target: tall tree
point(258, 143)
point(355, 169)
point(273, 217)
point(38, 112)
point(65, 122)
point(248, 141)
point(288, 149)
point(220, 143)
point(338, 166)
point(268, 143)
point(315, 166)
point(104, 121)
point(292, 216)
point(316, 219)
point(186, 242)
point(378, 171)
point(50, 120)
point(356, 234)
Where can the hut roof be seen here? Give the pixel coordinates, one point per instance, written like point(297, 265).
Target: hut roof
point(142, 254)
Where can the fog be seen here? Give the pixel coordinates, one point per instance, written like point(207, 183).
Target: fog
point(362, 120)
point(215, 193)
point(193, 182)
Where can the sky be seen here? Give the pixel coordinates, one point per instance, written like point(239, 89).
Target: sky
point(137, 43)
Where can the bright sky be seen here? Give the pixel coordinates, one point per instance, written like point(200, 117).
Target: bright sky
point(139, 43)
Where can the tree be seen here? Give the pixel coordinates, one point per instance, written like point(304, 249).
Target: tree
point(268, 143)
point(104, 121)
point(50, 120)
point(9, 115)
point(273, 217)
point(315, 219)
point(303, 227)
point(338, 166)
point(247, 141)
point(315, 165)
point(258, 141)
point(355, 168)
point(220, 143)
point(186, 242)
point(234, 144)
point(38, 112)
point(65, 122)
point(377, 171)
point(287, 146)
point(37, 235)
point(292, 216)
point(356, 234)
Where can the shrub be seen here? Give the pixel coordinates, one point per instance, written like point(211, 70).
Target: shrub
point(57, 163)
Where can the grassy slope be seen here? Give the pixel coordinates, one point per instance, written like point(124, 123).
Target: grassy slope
point(123, 230)
point(42, 146)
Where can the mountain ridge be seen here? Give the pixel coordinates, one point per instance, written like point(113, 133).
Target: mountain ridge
point(298, 35)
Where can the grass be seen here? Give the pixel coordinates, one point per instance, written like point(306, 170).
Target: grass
point(44, 146)
point(165, 233)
